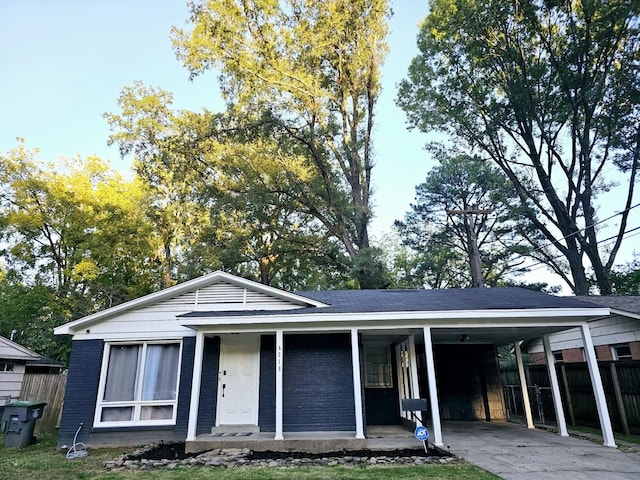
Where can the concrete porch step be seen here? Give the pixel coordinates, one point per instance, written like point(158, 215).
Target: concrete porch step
point(234, 430)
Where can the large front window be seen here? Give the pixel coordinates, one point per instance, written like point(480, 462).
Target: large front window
point(139, 384)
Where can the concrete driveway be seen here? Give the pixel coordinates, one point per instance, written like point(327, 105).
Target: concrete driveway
point(514, 452)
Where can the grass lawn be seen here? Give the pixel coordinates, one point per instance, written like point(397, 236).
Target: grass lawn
point(43, 461)
point(619, 437)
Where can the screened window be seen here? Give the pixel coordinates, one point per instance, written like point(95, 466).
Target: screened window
point(621, 352)
point(377, 363)
point(140, 384)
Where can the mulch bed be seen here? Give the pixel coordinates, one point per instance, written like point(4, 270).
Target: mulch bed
point(176, 451)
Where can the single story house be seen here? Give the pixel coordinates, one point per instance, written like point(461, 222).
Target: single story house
point(224, 354)
point(615, 336)
point(13, 365)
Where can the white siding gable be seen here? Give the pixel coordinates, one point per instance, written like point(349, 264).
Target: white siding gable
point(157, 320)
point(221, 297)
point(605, 331)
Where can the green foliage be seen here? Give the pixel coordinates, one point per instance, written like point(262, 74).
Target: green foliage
point(42, 460)
point(626, 279)
point(311, 72)
point(370, 270)
point(33, 312)
point(549, 92)
point(74, 241)
point(287, 168)
point(463, 206)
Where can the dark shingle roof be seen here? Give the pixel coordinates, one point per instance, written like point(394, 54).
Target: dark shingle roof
point(626, 303)
point(365, 301)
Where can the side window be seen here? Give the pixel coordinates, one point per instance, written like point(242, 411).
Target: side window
point(621, 352)
point(377, 366)
point(7, 367)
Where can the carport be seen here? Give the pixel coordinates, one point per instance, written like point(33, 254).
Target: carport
point(493, 331)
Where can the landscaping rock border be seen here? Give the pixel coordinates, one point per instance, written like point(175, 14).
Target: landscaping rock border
point(229, 458)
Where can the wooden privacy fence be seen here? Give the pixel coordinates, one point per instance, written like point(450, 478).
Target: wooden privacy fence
point(621, 381)
point(45, 387)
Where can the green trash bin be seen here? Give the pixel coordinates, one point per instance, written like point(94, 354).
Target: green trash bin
point(18, 422)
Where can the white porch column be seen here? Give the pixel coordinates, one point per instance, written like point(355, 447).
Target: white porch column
point(415, 386)
point(357, 387)
point(279, 373)
point(195, 387)
point(598, 390)
point(523, 384)
point(433, 389)
point(555, 387)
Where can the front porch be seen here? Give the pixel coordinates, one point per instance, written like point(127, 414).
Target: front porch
point(293, 408)
point(378, 438)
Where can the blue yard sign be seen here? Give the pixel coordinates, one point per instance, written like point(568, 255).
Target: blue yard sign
point(422, 433)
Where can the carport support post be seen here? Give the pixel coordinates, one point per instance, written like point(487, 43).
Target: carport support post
point(195, 387)
point(357, 387)
point(523, 385)
point(555, 387)
point(279, 390)
point(598, 390)
point(433, 389)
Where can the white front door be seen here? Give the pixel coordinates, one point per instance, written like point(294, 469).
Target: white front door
point(238, 380)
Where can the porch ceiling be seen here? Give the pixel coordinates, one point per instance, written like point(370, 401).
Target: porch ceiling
point(497, 336)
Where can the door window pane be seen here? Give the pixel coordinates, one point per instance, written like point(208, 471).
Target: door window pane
point(377, 366)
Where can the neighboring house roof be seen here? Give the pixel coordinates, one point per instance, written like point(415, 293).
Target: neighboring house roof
point(364, 301)
point(628, 305)
point(10, 350)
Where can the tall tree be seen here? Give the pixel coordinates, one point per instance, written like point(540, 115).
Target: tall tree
point(311, 69)
point(82, 231)
point(549, 92)
point(234, 192)
point(465, 207)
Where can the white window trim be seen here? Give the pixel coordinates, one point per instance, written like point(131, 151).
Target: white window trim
point(136, 404)
point(616, 356)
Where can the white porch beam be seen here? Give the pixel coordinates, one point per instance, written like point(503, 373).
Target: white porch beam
point(279, 376)
point(195, 387)
point(523, 384)
point(555, 387)
point(415, 386)
point(357, 388)
point(598, 390)
point(433, 389)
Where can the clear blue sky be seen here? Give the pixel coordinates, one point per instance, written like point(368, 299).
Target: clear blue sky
point(63, 64)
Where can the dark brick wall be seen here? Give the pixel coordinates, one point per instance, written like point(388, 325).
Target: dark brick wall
point(267, 402)
point(81, 391)
point(209, 385)
point(318, 383)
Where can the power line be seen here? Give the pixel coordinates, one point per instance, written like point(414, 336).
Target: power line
point(539, 264)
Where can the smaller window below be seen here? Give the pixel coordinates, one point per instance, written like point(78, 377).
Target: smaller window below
point(557, 357)
point(621, 352)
